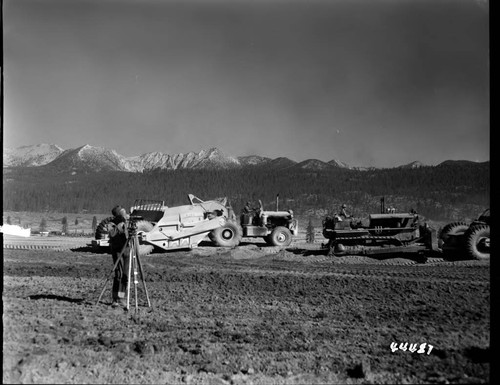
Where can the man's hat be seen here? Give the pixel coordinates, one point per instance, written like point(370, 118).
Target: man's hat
point(344, 205)
point(116, 210)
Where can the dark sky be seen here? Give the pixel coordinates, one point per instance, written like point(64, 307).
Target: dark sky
point(367, 82)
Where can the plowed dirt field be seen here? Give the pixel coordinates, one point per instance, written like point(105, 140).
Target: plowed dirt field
point(250, 315)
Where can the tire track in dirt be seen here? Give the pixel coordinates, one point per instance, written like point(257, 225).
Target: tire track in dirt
point(318, 273)
point(279, 264)
point(316, 267)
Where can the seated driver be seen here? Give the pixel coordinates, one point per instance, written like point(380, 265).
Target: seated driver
point(249, 213)
point(248, 209)
point(343, 213)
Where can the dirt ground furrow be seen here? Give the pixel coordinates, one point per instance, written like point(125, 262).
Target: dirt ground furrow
point(223, 316)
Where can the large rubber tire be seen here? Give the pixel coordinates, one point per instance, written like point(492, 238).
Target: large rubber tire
point(281, 237)
point(455, 228)
point(228, 235)
point(477, 242)
point(101, 230)
point(146, 227)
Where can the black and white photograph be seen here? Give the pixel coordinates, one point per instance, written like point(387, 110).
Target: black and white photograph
point(258, 192)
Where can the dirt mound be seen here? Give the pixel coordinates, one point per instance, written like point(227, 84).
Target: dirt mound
point(241, 252)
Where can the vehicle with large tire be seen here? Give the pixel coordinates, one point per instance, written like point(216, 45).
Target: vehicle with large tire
point(380, 234)
point(179, 227)
point(469, 240)
point(277, 228)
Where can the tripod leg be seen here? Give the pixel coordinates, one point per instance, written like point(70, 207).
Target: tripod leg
point(142, 278)
point(120, 257)
point(134, 261)
point(132, 246)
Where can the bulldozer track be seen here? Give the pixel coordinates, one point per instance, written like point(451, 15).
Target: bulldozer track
point(377, 237)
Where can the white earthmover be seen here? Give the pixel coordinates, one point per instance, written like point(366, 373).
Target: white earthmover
point(179, 227)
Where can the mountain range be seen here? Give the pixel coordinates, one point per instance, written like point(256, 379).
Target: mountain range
point(47, 178)
point(91, 159)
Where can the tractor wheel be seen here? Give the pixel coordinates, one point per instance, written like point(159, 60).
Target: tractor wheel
point(477, 242)
point(101, 230)
point(455, 228)
point(228, 235)
point(146, 227)
point(281, 236)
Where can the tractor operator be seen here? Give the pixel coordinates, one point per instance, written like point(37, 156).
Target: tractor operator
point(248, 209)
point(343, 213)
point(248, 214)
point(117, 239)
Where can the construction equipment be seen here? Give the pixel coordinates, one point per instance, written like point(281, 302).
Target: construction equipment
point(134, 263)
point(469, 240)
point(276, 227)
point(384, 233)
point(180, 227)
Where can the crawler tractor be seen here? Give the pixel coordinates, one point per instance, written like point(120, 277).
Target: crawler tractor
point(179, 227)
point(384, 233)
point(276, 227)
point(471, 240)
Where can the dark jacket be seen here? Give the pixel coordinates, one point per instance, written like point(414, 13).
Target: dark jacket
point(117, 234)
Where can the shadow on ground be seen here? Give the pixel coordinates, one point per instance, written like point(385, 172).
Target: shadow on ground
point(56, 297)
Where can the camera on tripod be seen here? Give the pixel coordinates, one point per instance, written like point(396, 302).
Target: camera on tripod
point(130, 251)
point(132, 224)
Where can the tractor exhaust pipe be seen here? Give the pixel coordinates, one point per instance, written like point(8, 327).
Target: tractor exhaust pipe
point(382, 205)
point(277, 200)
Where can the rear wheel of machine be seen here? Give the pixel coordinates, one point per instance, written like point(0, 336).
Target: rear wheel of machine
point(477, 242)
point(455, 228)
point(228, 235)
point(281, 236)
point(146, 227)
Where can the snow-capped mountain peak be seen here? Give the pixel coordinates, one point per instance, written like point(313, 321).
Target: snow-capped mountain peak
point(253, 160)
point(31, 155)
point(313, 164)
point(412, 165)
point(337, 163)
point(91, 158)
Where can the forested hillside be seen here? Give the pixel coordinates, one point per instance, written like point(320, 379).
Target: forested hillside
point(449, 191)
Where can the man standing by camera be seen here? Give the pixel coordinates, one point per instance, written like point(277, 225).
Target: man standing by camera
point(118, 239)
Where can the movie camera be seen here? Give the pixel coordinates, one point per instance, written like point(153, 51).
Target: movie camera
point(131, 224)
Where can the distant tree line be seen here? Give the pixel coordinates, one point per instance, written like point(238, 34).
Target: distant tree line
point(437, 192)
